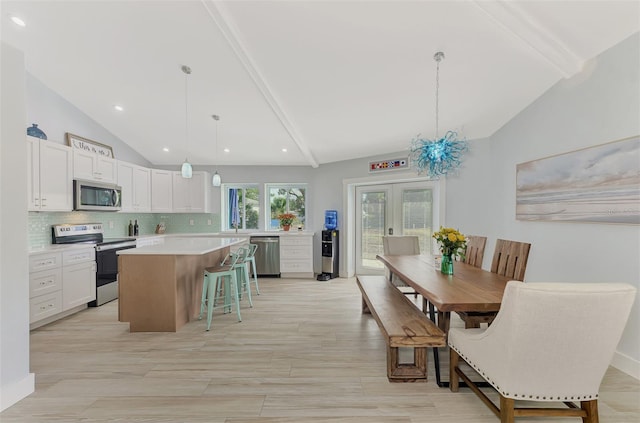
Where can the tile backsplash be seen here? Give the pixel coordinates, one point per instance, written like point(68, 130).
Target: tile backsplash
point(116, 224)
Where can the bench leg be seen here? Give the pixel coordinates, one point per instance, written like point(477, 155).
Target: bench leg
point(365, 307)
point(407, 372)
point(454, 359)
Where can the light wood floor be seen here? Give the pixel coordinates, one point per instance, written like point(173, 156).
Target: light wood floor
point(304, 353)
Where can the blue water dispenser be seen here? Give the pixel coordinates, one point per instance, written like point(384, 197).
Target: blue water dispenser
point(330, 219)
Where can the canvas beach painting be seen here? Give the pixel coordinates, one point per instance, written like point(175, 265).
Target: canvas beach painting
point(596, 184)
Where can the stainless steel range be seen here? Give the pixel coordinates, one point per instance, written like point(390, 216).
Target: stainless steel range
point(106, 257)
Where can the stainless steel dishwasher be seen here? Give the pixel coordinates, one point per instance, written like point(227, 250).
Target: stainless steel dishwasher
point(267, 255)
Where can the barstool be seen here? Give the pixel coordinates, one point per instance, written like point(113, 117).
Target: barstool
point(242, 273)
point(212, 288)
point(251, 260)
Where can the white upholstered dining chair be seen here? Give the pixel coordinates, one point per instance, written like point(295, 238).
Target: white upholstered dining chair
point(399, 245)
point(546, 344)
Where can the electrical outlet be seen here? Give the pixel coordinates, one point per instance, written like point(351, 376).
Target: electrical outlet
point(191, 222)
point(110, 225)
point(209, 222)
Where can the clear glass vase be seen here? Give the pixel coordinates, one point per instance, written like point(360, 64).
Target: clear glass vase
point(446, 265)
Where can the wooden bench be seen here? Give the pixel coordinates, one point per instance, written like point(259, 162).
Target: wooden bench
point(402, 324)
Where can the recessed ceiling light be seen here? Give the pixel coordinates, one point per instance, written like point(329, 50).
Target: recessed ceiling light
point(284, 150)
point(118, 107)
point(16, 20)
point(166, 150)
point(226, 150)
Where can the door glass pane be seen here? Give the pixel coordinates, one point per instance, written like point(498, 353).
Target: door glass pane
point(417, 216)
point(373, 224)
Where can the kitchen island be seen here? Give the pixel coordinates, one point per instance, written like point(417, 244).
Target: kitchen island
point(160, 285)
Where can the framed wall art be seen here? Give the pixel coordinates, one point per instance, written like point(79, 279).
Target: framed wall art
point(595, 184)
point(85, 144)
point(392, 164)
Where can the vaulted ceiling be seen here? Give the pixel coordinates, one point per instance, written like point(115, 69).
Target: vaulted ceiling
point(327, 80)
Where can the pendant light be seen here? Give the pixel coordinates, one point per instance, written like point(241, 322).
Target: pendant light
point(439, 156)
point(216, 180)
point(187, 170)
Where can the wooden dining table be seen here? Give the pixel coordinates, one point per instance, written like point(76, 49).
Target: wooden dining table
point(469, 289)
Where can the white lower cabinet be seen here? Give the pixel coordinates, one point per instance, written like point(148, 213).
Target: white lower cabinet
point(78, 277)
point(45, 293)
point(45, 285)
point(296, 256)
point(60, 281)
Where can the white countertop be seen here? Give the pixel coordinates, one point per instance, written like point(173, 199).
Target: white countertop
point(240, 236)
point(279, 233)
point(54, 248)
point(228, 234)
point(186, 245)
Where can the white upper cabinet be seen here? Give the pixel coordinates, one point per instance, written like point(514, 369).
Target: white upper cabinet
point(191, 195)
point(161, 191)
point(49, 176)
point(136, 187)
point(92, 167)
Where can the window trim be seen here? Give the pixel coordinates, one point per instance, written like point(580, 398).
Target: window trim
point(224, 205)
point(267, 201)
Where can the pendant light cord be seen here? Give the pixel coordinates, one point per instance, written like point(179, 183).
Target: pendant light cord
point(437, 95)
point(187, 71)
point(186, 111)
point(438, 57)
point(216, 118)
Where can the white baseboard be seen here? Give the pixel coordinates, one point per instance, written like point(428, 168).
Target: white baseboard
point(626, 364)
point(11, 394)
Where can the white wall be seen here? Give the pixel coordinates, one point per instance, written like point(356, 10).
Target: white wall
point(56, 116)
point(15, 380)
point(599, 105)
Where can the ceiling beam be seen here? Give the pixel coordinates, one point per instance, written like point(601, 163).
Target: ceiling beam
point(513, 18)
point(228, 29)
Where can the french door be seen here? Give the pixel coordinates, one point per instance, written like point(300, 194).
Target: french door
point(391, 209)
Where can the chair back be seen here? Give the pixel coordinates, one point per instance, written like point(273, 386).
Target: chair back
point(252, 250)
point(241, 254)
point(554, 340)
point(235, 257)
point(510, 259)
point(474, 254)
point(400, 245)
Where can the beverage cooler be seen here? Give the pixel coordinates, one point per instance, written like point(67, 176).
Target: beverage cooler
point(330, 256)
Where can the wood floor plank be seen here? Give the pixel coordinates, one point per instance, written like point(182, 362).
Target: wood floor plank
point(303, 353)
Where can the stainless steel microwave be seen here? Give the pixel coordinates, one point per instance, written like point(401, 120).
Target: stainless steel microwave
point(96, 196)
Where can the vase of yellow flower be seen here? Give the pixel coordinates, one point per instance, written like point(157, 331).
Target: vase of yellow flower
point(452, 243)
point(286, 219)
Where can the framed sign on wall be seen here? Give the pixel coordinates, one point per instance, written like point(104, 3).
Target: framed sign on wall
point(85, 144)
point(392, 164)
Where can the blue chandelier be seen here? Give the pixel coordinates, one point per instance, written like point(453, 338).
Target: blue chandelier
point(440, 156)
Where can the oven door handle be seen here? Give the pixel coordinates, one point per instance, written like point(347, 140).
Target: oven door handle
point(118, 246)
point(115, 197)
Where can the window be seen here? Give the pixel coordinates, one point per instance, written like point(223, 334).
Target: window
point(242, 207)
point(286, 198)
